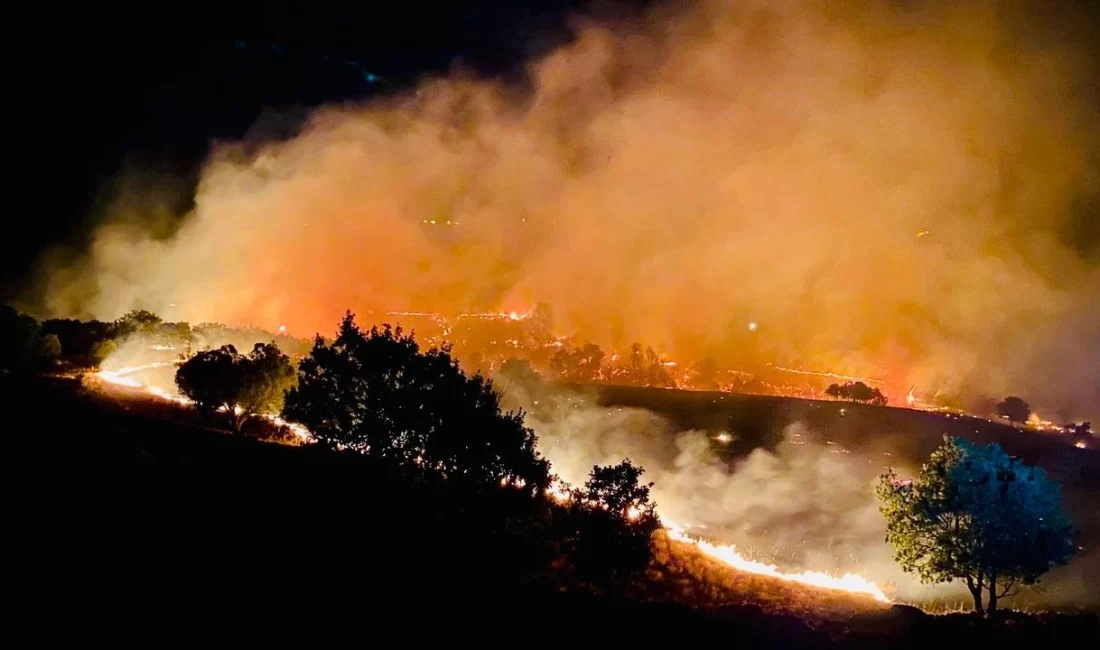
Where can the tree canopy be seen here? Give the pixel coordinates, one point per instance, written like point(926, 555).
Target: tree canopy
point(244, 386)
point(24, 347)
point(1014, 409)
point(377, 393)
point(978, 515)
point(856, 392)
point(612, 524)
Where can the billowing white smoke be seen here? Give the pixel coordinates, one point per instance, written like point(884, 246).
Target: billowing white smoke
point(805, 505)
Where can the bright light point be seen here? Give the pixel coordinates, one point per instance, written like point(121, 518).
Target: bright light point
point(1081, 444)
point(752, 326)
point(513, 316)
point(282, 329)
point(724, 438)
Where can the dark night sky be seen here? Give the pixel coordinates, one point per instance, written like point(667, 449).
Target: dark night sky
point(148, 89)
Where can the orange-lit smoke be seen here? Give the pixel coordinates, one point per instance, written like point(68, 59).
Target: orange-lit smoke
point(880, 189)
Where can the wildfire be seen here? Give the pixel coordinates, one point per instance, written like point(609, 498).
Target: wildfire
point(121, 377)
point(559, 491)
point(832, 375)
point(728, 555)
point(848, 582)
point(1036, 422)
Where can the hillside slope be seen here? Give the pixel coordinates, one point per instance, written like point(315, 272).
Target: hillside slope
point(254, 529)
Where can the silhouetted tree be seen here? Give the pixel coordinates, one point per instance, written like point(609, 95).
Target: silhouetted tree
point(242, 386)
point(581, 365)
point(268, 375)
point(656, 372)
point(1080, 431)
point(636, 365)
point(19, 340)
point(1014, 409)
point(134, 321)
point(978, 515)
point(212, 379)
point(542, 323)
point(706, 374)
point(175, 334)
point(613, 520)
point(378, 394)
point(856, 392)
point(78, 339)
point(518, 370)
point(101, 350)
point(49, 348)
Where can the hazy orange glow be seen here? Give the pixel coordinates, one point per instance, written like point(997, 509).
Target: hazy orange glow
point(869, 189)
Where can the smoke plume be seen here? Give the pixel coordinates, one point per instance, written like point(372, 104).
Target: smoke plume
point(807, 504)
point(888, 189)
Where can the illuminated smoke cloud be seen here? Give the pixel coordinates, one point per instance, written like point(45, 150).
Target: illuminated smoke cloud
point(884, 189)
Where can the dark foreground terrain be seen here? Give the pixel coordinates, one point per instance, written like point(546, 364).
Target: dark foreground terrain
point(161, 528)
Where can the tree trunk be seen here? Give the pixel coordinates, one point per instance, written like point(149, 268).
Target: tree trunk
point(992, 594)
point(977, 593)
point(975, 587)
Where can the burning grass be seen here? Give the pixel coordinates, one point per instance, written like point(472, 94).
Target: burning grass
point(684, 573)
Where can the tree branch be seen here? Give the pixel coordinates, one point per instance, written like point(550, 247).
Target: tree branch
point(1008, 587)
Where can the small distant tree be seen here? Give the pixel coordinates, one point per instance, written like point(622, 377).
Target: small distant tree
point(268, 375)
point(636, 368)
point(857, 392)
point(581, 365)
point(518, 370)
point(1080, 431)
point(77, 338)
point(18, 332)
point(705, 374)
point(103, 349)
point(1014, 409)
point(860, 392)
point(211, 379)
point(611, 541)
point(134, 321)
point(49, 348)
point(241, 386)
point(978, 515)
point(175, 334)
